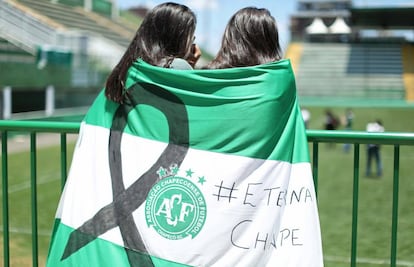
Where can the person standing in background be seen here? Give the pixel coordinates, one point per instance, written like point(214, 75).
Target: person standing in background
point(331, 121)
point(306, 115)
point(373, 150)
point(348, 120)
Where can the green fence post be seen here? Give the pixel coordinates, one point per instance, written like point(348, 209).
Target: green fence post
point(355, 207)
point(63, 159)
point(33, 173)
point(395, 194)
point(315, 166)
point(4, 165)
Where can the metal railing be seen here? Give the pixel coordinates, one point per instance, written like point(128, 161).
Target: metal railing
point(315, 137)
point(358, 138)
point(32, 127)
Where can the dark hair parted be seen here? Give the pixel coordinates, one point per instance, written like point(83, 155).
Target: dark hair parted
point(250, 38)
point(165, 33)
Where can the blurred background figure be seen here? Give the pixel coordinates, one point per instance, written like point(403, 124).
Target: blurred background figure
point(373, 150)
point(306, 115)
point(331, 121)
point(347, 122)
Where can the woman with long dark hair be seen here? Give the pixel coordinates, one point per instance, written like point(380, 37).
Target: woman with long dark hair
point(165, 38)
point(250, 38)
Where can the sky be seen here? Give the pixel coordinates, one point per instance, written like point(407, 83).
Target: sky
point(213, 15)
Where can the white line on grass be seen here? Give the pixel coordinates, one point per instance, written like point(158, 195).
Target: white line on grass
point(26, 185)
point(26, 231)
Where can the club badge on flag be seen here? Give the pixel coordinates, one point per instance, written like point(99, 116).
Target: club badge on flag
point(196, 168)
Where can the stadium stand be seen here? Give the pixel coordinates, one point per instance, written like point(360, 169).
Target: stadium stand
point(59, 44)
point(72, 47)
point(351, 70)
point(12, 53)
point(332, 58)
point(77, 18)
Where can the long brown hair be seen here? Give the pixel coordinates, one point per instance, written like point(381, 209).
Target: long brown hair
point(250, 38)
point(166, 33)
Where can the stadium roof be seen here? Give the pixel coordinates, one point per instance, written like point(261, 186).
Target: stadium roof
point(317, 27)
point(388, 18)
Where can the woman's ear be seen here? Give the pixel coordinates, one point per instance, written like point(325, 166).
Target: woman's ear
point(194, 56)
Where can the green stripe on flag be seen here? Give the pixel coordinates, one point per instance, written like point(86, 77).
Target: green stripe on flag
point(230, 110)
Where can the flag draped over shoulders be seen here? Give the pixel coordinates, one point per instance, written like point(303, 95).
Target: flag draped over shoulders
point(196, 168)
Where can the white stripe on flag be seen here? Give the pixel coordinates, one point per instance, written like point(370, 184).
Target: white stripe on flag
point(245, 199)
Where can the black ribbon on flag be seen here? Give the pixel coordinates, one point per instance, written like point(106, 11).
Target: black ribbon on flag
point(127, 200)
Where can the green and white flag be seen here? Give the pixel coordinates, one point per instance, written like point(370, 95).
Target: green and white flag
point(197, 168)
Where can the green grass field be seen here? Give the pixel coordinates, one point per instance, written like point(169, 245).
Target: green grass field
point(48, 185)
point(375, 194)
point(335, 197)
